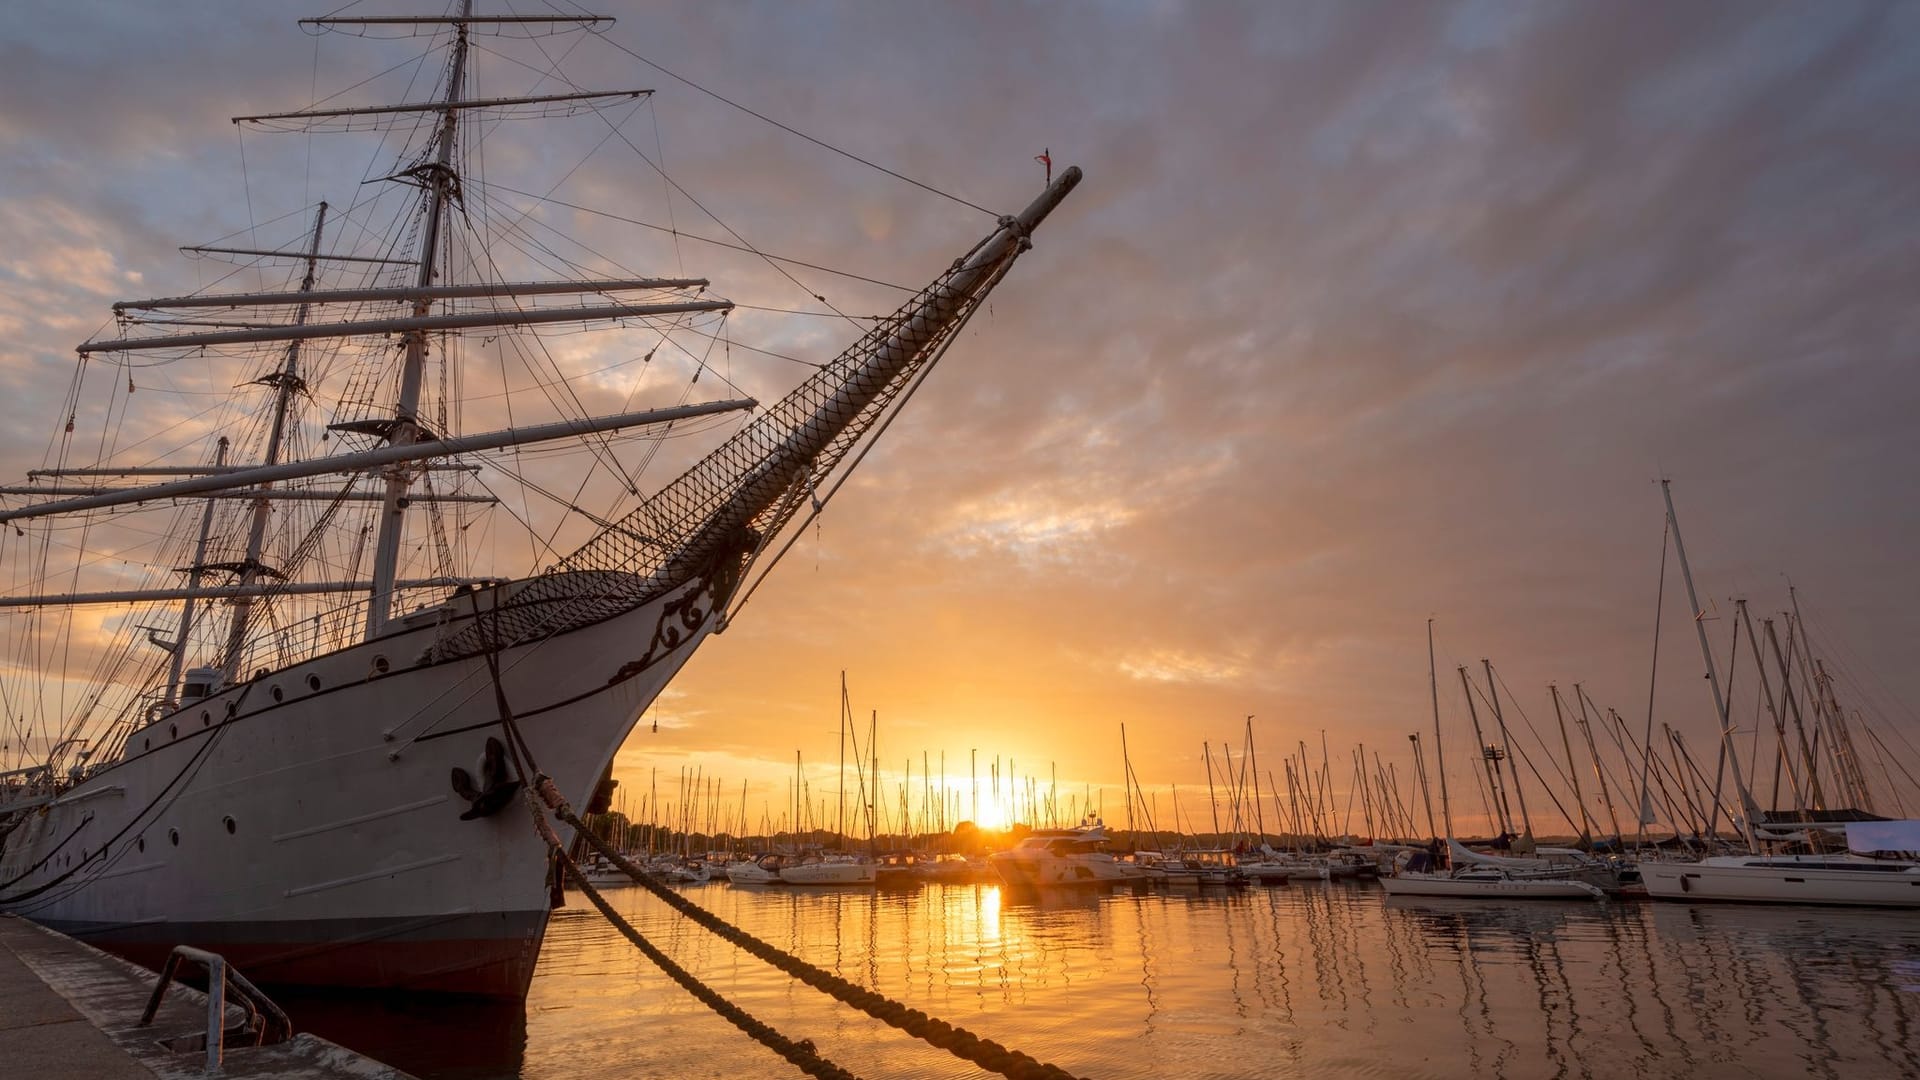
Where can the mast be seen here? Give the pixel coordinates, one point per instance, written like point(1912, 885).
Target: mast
point(439, 181)
point(1814, 792)
point(1420, 773)
point(179, 660)
point(1439, 745)
point(1506, 744)
point(1573, 768)
point(1253, 766)
point(1713, 675)
point(1489, 758)
point(1212, 803)
point(840, 824)
point(1782, 759)
point(285, 383)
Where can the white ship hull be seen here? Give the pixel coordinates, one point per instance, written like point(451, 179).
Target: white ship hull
point(1785, 881)
point(317, 840)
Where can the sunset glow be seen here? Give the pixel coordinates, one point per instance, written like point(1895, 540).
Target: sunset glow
point(1406, 329)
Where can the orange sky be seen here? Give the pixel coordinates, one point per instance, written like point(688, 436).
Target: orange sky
point(1361, 317)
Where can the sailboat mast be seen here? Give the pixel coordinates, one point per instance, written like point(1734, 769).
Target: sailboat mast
point(1713, 676)
point(285, 382)
point(1253, 766)
point(1420, 773)
point(846, 718)
point(1573, 767)
point(1489, 759)
point(440, 182)
point(1506, 744)
point(1439, 746)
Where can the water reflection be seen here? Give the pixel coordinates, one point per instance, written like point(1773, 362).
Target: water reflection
point(1304, 980)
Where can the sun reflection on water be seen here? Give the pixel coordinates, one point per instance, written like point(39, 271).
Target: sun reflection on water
point(1122, 985)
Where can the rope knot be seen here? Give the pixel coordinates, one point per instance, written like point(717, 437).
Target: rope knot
point(1013, 225)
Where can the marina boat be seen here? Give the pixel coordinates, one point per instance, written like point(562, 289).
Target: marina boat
point(1216, 868)
point(1787, 879)
point(311, 780)
point(1348, 863)
point(1062, 858)
point(680, 871)
point(897, 870)
point(602, 874)
point(1488, 884)
point(817, 868)
point(1474, 874)
point(762, 871)
point(1268, 871)
point(1840, 878)
point(953, 868)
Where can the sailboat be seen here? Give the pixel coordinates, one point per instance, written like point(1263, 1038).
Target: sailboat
point(319, 786)
point(1471, 874)
point(1877, 870)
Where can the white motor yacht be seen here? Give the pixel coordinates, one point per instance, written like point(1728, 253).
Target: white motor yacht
point(824, 869)
point(1051, 858)
point(762, 871)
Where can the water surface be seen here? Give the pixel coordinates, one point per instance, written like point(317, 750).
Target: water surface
point(1307, 980)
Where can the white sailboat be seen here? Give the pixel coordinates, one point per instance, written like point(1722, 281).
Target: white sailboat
point(1837, 879)
point(278, 790)
point(1472, 874)
point(1879, 870)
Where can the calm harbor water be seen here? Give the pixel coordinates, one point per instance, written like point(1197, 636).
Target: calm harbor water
point(1308, 980)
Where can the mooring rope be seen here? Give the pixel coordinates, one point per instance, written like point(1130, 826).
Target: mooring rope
point(956, 1040)
point(801, 1054)
point(952, 1038)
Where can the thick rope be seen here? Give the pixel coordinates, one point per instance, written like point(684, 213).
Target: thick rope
point(801, 1054)
point(956, 1040)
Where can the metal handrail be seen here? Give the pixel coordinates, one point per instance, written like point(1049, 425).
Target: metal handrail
point(264, 1018)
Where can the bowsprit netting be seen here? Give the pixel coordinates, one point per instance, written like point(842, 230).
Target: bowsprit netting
point(719, 515)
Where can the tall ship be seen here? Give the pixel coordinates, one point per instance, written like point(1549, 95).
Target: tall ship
point(276, 729)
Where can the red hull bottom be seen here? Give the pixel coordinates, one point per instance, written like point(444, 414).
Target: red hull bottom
point(483, 955)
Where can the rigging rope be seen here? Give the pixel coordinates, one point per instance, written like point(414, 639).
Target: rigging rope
point(800, 134)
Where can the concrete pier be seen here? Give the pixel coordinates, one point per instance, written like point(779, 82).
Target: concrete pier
point(67, 1009)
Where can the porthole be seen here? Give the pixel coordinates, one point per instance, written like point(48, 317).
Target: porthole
point(313, 683)
point(232, 707)
point(146, 744)
point(380, 665)
point(206, 718)
point(228, 821)
point(140, 842)
point(278, 694)
point(174, 835)
point(173, 730)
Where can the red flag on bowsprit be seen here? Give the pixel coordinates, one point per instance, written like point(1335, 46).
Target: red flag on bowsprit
point(1045, 157)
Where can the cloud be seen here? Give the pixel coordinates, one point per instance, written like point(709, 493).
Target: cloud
point(1361, 316)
